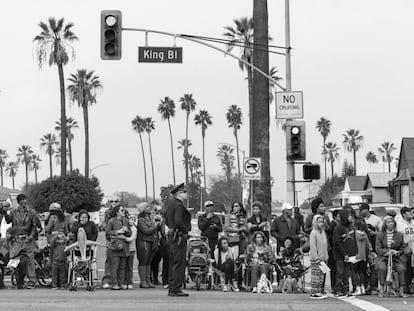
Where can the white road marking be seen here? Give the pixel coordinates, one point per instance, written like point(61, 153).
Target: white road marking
point(363, 304)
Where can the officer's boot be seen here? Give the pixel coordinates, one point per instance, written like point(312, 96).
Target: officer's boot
point(142, 278)
point(148, 276)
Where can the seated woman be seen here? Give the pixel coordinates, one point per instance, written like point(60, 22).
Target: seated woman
point(225, 258)
point(390, 243)
point(84, 222)
point(257, 222)
point(290, 263)
point(260, 257)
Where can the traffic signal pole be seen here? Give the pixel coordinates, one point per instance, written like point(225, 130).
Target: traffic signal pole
point(290, 166)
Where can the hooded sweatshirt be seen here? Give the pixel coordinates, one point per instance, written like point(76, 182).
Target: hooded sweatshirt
point(344, 242)
point(363, 244)
point(318, 242)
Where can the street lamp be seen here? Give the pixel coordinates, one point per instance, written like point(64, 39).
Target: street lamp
point(98, 166)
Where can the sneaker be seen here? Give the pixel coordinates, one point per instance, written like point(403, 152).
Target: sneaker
point(30, 286)
point(124, 287)
point(318, 296)
point(130, 286)
point(106, 286)
point(225, 289)
point(116, 287)
point(166, 286)
point(234, 287)
point(339, 295)
point(357, 292)
point(55, 288)
point(254, 290)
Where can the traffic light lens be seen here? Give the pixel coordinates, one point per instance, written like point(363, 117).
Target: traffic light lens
point(295, 141)
point(295, 150)
point(295, 130)
point(110, 20)
point(110, 34)
point(110, 48)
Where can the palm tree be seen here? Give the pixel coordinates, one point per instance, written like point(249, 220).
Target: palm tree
point(234, 118)
point(188, 104)
point(352, 143)
point(385, 151)
point(49, 141)
point(24, 155)
point(35, 164)
point(272, 85)
point(71, 124)
point(167, 111)
point(242, 35)
point(149, 127)
point(58, 155)
point(226, 157)
point(83, 91)
point(333, 154)
point(138, 125)
point(323, 125)
point(53, 48)
point(11, 169)
point(195, 164)
point(203, 118)
point(3, 158)
point(371, 157)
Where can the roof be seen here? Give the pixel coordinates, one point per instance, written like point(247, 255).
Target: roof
point(356, 183)
point(406, 159)
point(4, 193)
point(379, 179)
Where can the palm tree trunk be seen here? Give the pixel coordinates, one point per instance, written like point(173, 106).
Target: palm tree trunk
point(355, 168)
point(35, 176)
point(1, 170)
point(13, 181)
point(260, 114)
point(26, 168)
point(389, 166)
point(86, 122)
point(204, 165)
point(145, 167)
point(238, 155)
point(70, 155)
point(62, 121)
point(324, 154)
point(332, 169)
point(152, 167)
point(186, 151)
point(50, 164)
point(172, 150)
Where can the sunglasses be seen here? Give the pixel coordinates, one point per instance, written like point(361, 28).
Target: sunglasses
point(114, 201)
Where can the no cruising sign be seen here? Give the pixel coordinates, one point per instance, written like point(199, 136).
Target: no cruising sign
point(252, 168)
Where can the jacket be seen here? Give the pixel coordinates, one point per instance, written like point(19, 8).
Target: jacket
point(343, 239)
point(205, 225)
point(381, 245)
point(281, 230)
point(114, 224)
point(318, 243)
point(146, 228)
point(178, 218)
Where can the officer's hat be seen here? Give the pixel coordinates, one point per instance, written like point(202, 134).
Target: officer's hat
point(178, 188)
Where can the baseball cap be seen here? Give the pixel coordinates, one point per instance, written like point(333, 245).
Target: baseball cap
point(208, 203)
point(286, 206)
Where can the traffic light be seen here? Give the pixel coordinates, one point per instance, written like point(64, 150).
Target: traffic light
point(111, 35)
point(295, 141)
point(311, 171)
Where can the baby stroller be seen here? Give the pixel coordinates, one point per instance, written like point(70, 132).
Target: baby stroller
point(291, 270)
point(82, 262)
point(199, 263)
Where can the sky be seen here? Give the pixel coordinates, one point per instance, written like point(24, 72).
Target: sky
point(352, 59)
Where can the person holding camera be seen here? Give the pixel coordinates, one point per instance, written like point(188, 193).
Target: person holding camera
point(24, 220)
point(210, 226)
point(147, 229)
point(117, 230)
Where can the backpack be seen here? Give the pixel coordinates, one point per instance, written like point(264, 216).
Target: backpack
point(264, 285)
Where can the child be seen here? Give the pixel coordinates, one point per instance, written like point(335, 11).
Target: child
point(359, 269)
point(59, 260)
point(132, 249)
point(290, 265)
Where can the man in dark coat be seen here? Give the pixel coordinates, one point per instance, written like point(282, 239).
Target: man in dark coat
point(178, 220)
point(210, 226)
point(285, 226)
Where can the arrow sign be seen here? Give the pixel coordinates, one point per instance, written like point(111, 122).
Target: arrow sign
point(252, 168)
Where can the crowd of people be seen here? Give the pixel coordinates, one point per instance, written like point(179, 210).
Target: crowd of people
point(362, 253)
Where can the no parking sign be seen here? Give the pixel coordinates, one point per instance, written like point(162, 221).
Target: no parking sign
point(252, 168)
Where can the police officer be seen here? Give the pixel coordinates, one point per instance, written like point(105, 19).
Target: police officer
point(178, 220)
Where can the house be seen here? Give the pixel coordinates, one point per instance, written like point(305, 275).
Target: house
point(403, 183)
point(353, 191)
point(376, 187)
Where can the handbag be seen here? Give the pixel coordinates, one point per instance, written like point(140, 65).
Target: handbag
point(116, 244)
point(389, 270)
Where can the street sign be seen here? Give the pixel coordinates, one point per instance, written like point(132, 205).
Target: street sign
point(289, 105)
point(252, 168)
point(151, 54)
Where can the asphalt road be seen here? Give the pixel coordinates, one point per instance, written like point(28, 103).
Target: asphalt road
point(157, 299)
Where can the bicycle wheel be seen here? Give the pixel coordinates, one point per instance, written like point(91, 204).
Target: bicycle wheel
point(44, 277)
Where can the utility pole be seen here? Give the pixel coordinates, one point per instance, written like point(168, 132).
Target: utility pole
point(290, 166)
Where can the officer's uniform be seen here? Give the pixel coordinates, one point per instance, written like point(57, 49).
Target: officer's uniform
point(178, 220)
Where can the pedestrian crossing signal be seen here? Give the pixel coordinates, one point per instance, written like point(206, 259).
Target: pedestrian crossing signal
point(111, 35)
